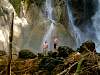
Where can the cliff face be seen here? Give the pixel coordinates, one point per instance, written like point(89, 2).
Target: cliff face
point(30, 22)
point(83, 10)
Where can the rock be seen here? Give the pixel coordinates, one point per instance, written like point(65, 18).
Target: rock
point(52, 54)
point(49, 63)
point(40, 55)
point(87, 46)
point(89, 67)
point(26, 54)
point(59, 68)
point(64, 51)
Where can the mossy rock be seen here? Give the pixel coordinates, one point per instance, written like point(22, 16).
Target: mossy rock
point(26, 54)
point(64, 51)
point(49, 64)
point(52, 54)
point(87, 46)
point(40, 55)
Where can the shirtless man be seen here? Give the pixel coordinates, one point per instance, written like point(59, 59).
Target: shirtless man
point(45, 47)
point(55, 42)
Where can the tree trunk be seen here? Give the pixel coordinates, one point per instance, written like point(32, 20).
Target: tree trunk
point(10, 46)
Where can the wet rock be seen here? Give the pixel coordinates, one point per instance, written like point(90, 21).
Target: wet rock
point(49, 64)
point(52, 54)
point(26, 54)
point(40, 55)
point(87, 46)
point(64, 51)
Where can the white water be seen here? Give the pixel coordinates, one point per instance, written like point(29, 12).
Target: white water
point(96, 23)
point(75, 32)
point(49, 34)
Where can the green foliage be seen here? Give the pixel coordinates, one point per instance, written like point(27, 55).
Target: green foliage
point(16, 4)
point(79, 67)
point(25, 54)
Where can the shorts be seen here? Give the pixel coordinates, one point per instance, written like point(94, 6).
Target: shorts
point(55, 46)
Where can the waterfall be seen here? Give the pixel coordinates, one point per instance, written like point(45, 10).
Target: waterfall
point(49, 34)
point(75, 31)
point(96, 23)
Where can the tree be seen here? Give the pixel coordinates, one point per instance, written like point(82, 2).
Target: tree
point(10, 46)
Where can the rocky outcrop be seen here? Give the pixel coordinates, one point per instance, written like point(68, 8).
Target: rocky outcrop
point(26, 54)
point(88, 46)
point(83, 10)
point(60, 12)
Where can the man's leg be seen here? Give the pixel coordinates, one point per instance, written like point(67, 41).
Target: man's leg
point(44, 52)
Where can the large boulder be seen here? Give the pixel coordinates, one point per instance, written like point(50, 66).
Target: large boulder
point(49, 64)
point(87, 46)
point(52, 54)
point(64, 51)
point(26, 54)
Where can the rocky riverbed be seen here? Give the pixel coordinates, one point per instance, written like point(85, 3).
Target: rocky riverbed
point(65, 61)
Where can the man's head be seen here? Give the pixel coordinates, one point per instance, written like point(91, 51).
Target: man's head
point(46, 41)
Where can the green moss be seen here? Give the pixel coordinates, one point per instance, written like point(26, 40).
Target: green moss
point(16, 4)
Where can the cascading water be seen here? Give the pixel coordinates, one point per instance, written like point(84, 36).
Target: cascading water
point(96, 23)
point(48, 35)
point(75, 32)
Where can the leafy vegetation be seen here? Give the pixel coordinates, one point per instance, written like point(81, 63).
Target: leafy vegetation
point(16, 4)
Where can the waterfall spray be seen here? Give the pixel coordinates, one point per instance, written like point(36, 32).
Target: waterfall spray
point(48, 35)
point(75, 32)
point(96, 23)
